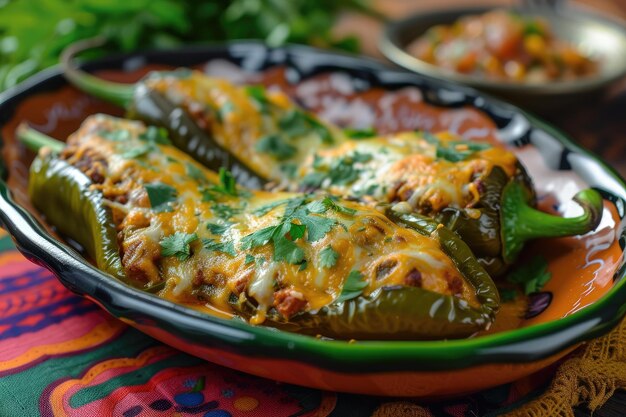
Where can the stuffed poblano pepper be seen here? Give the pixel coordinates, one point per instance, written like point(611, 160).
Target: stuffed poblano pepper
point(479, 191)
point(306, 263)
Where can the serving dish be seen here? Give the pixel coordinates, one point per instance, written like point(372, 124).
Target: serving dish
point(583, 268)
point(600, 37)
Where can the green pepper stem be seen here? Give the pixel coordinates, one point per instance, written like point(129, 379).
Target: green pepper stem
point(117, 93)
point(35, 140)
point(522, 222)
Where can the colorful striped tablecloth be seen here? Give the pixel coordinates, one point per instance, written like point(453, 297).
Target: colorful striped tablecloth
point(60, 355)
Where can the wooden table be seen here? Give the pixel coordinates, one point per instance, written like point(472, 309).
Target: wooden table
point(600, 127)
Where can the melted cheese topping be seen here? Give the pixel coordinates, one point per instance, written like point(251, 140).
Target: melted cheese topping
point(363, 239)
point(299, 154)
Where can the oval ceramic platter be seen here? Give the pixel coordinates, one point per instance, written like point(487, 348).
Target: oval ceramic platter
point(584, 298)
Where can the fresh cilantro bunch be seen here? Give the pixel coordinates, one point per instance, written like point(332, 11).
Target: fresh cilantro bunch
point(33, 33)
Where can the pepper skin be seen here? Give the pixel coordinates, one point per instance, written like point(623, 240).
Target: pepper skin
point(417, 162)
point(394, 311)
point(62, 193)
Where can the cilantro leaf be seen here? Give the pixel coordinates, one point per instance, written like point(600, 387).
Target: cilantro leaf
point(456, 151)
point(317, 226)
point(322, 206)
point(195, 173)
point(275, 146)
point(155, 134)
point(313, 179)
point(226, 108)
point(507, 294)
point(228, 185)
point(360, 133)
point(217, 229)
point(318, 206)
point(266, 208)
point(320, 129)
point(287, 250)
point(361, 157)
point(296, 231)
point(224, 211)
point(533, 275)
point(227, 247)
point(118, 135)
point(257, 93)
point(258, 238)
point(137, 151)
point(294, 124)
point(249, 259)
point(160, 196)
point(328, 257)
point(352, 287)
point(177, 245)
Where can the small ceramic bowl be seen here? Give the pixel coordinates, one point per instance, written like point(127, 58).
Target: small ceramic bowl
point(584, 298)
point(600, 37)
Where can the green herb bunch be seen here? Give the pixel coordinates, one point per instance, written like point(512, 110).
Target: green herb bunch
point(34, 32)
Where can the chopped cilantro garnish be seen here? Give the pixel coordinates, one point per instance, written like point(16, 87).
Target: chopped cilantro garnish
point(227, 186)
point(224, 211)
point(317, 226)
point(226, 108)
point(294, 124)
point(287, 250)
point(321, 130)
point(227, 247)
point(313, 179)
point(328, 257)
point(353, 287)
point(227, 183)
point(275, 145)
point(321, 206)
point(119, 135)
point(249, 259)
point(296, 231)
point(361, 157)
point(288, 169)
point(266, 208)
point(283, 234)
point(160, 195)
point(360, 133)
point(507, 294)
point(195, 173)
point(257, 92)
point(532, 275)
point(342, 171)
point(303, 266)
point(155, 135)
point(137, 151)
point(177, 245)
point(454, 151)
point(258, 238)
point(217, 229)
